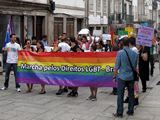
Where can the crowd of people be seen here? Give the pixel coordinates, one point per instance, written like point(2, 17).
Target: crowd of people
point(140, 57)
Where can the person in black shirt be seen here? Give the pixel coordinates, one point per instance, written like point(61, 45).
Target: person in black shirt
point(143, 65)
point(34, 40)
point(74, 48)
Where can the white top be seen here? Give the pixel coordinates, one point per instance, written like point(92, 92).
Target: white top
point(98, 50)
point(64, 47)
point(135, 50)
point(12, 52)
point(84, 46)
point(108, 49)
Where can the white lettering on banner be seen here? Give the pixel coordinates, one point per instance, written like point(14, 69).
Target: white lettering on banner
point(93, 68)
point(31, 67)
point(66, 68)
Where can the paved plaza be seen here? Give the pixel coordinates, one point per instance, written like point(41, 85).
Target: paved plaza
point(32, 106)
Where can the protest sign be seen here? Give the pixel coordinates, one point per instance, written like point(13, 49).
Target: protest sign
point(122, 32)
point(144, 24)
point(106, 37)
point(130, 30)
point(145, 36)
point(84, 31)
point(67, 69)
point(97, 32)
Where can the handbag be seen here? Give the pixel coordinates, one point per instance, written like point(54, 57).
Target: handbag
point(134, 71)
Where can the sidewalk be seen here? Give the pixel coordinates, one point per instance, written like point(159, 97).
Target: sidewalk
point(32, 106)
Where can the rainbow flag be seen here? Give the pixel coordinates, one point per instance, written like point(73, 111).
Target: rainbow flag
point(56, 45)
point(67, 69)
point(112, 37)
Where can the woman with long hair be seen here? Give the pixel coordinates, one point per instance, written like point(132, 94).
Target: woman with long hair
point(29, 48)
point(93, 90)
point(40, 49)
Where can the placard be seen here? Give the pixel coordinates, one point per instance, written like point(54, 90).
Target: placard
point(130, 30)
point(84, 31)
point(97, 32)
point(145, 36)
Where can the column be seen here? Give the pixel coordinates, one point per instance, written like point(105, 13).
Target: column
point(64, 24)
point(75, 27)
point(34, 26)
point(25, 27)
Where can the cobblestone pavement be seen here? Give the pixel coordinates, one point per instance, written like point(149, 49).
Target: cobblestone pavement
point(32, 106)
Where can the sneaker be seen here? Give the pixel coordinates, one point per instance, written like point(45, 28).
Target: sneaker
point(89, 98)
point(60, 91)
point(113, 93)
point(18, 89)
point(70, 94)
point(65, 90)
point(12, 73)
point(75, 94)
point(129, 114)
point(4, 88)
point(94, 98)
point(126, 100)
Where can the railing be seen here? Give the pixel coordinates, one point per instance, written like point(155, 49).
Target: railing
point(129, 18)
point(142, 18)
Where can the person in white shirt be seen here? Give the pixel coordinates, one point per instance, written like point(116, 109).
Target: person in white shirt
point(11, 49)
point(63, 47)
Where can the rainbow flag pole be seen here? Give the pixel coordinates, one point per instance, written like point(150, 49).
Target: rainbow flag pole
point(56, 45)
point(112, 37)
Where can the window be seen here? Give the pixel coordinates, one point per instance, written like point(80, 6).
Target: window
point(91, 5)
point(104, 6)
point(99, 5)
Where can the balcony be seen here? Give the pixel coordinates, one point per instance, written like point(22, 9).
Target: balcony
point(129, 19)
point(142, 18)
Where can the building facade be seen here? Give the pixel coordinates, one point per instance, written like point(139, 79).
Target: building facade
point(30, 18)
point(68, 17)
point(97, 14)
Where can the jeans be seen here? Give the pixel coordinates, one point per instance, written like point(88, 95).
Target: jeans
point(7, 73)
point(121, 87)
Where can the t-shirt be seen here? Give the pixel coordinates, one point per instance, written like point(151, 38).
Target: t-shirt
point(64, 47)
point(12, 52)
point(135, 49)
point(74, 49)
point(44, 43)
point(84, 46)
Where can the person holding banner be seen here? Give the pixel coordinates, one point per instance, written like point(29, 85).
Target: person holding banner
point(108, 46)
point(40, 49)
point(62, 47)
point(29, 48)
point(93, 90)
point(11, 49)
point(74, 48)
point(125, 77)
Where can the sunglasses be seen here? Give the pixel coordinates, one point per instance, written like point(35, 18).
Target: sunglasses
point(28, 42)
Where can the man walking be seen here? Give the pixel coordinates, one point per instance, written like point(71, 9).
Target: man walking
point(12, 49)
point(125, 77)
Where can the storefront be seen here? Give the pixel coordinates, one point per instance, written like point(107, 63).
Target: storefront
point(27, 20)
